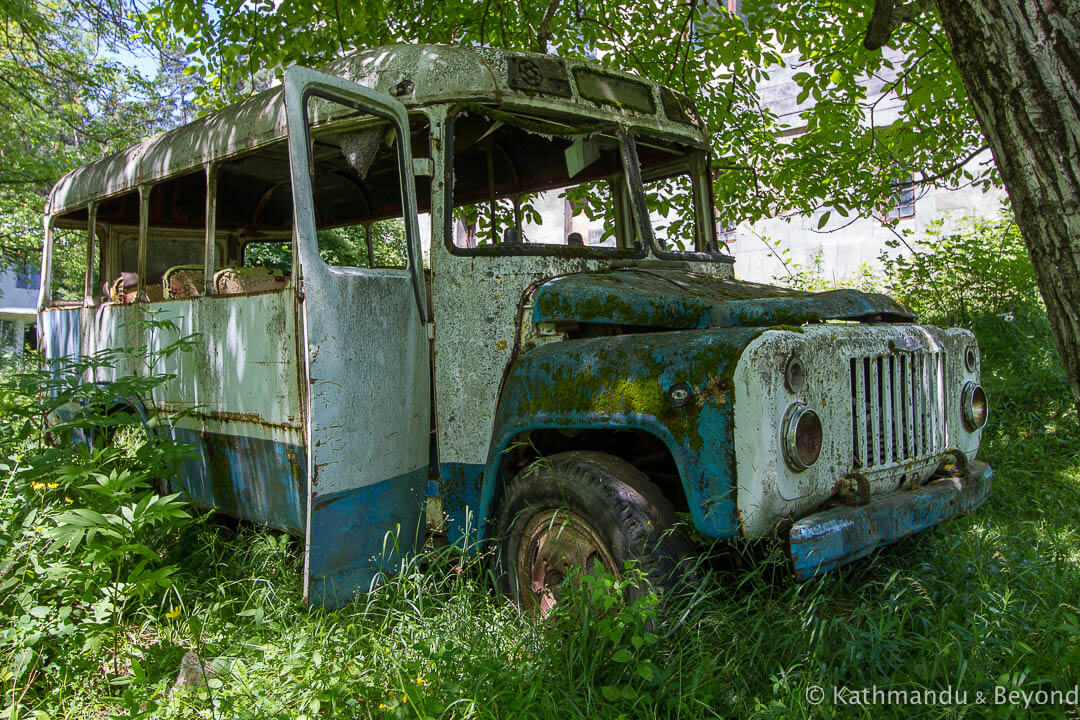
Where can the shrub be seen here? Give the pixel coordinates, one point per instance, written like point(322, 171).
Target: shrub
point(953, 277)
point(812, 278)
point(83, 530)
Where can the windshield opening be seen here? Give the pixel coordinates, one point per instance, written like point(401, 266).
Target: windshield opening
point(678, 195)
point(525, 185)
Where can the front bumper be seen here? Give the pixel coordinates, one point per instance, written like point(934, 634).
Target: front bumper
point(831, 538)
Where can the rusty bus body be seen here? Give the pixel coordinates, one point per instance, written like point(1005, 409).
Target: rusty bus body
point(322, 397)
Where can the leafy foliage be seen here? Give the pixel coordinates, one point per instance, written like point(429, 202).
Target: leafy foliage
point(69, 99)
point(84, 532)
point(952, 277)
point(980, 602)
point(348, 245)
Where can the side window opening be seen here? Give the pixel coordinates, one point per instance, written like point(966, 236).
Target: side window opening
point(517, 185)
point(118, 220)
point(272, 254)
point(356, 190)
point(174, 262)
point(69, 246)
point(174, 251)
point(376, 244)
point(175, 239)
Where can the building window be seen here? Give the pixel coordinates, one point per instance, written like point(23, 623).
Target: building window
point(726, 233)
point(902, 203)
point(27, 277)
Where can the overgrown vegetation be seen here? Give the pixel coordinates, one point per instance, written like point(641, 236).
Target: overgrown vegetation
point(955, 278)
point(97, 628)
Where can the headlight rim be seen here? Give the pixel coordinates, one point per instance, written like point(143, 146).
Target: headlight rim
point(795, 414)
point(794, 374)
point(971, 395)
point(971, 357)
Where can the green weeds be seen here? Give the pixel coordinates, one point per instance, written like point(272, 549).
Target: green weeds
point(97, 617)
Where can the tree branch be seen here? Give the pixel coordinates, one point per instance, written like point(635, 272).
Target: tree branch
point(886, 17)
point(542, 36)
point(959, 164)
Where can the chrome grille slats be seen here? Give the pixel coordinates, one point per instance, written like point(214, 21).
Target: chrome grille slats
point(897, 407)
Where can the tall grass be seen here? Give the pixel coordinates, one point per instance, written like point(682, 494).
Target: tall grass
point(983, 604)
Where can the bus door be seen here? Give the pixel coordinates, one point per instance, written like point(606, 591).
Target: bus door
point(366, 352)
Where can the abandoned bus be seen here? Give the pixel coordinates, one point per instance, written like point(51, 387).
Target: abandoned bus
point(572, 306)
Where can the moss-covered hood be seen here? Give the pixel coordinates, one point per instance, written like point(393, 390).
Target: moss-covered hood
point(677, 298)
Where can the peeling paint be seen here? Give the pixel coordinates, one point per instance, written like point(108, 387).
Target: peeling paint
point(623, 382)
point(831, 538)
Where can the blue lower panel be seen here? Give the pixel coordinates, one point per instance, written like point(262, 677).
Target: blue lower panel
point(831, 538)
point(358, 534)
point(460, 486)
point(258, 480)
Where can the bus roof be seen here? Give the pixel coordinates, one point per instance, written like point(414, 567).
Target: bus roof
point(417, 75)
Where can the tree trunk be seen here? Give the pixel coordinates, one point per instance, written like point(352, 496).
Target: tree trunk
point(1020, 63)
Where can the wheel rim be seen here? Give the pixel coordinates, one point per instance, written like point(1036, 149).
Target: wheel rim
point(553, 543)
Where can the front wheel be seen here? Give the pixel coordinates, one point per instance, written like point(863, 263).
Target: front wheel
point(574, 511)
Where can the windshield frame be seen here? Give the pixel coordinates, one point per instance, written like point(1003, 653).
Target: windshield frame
point(641, 231)
point(704, 211)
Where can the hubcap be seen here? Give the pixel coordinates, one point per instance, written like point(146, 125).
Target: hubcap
point(553, 543)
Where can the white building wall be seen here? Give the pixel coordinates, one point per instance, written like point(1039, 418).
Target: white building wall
point(844, 247)
point(13, 296)
point(17, 310)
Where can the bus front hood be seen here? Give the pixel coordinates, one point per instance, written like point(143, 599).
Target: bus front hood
point(681, 299)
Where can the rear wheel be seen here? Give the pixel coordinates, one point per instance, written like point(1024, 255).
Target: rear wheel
point(580, 510)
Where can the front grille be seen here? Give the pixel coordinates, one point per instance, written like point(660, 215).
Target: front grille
point(897, 407)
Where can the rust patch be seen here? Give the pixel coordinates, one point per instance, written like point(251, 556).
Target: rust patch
point(220, 416)
point(715, 389)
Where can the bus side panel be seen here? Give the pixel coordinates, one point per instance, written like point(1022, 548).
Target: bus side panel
point(60, 333)
point(233, 396)
point(60, 338)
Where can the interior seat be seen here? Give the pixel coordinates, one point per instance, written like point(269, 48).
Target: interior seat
point(123, 289)
point(242, 280)
point(182, 281)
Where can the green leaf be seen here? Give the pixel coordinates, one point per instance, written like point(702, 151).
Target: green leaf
point(646, 670)
point(82, 517)
point(610, 693)
point(622, 655)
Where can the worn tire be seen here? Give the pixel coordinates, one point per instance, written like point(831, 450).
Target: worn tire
point(621, 510)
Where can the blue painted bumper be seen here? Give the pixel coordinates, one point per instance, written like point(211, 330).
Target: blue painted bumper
point(831, 538)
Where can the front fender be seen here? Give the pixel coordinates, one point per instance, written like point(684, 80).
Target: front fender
point(624, 382)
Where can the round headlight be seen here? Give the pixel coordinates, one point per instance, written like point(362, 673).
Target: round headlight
point(973, 403)
point(971, 358)
point(802, 436)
